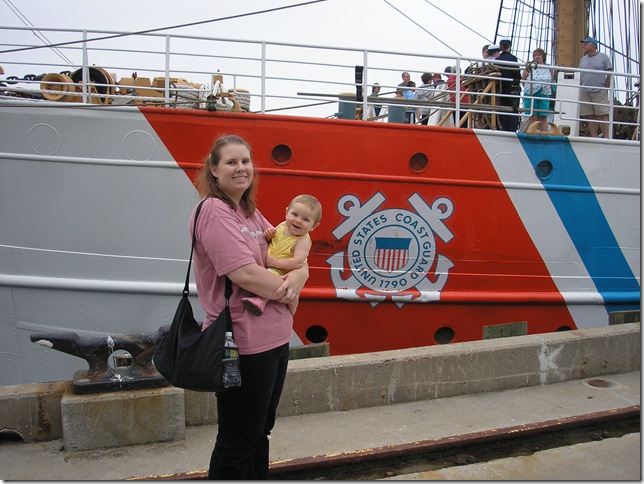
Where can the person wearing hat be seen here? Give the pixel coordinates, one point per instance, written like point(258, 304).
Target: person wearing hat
point(593, 95)
point(493, 51)
point(481, 121)
point(510, 87)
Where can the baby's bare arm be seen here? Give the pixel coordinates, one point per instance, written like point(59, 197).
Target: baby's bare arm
point(300, 253)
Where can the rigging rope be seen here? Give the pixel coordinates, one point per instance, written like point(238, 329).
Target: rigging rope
point(528, 24)
point(614, 23)
point(38, 34)
point(421, 27)
point(486, 39)
point(453, 18)
point(140, 32)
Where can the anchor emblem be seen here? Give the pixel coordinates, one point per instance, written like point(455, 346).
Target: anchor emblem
point(391, 253)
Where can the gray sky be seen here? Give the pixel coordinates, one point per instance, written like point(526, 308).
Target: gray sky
point(375, 24)
point(427, 27)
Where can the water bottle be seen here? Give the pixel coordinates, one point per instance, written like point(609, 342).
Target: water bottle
point(232, 376)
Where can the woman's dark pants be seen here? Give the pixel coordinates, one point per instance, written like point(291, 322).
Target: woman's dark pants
point(246, 417)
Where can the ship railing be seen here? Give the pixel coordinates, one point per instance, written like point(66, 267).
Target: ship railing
point(623, 101)
point(623, 118)
point(282, 78)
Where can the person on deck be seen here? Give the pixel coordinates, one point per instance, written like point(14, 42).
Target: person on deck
point(493, 51)
point(437, 80)
point(484, 53)
point(375, 91)
point(407, 94)
point(594, 93)
point(510, 87)
point(439, 94)
point(537, 78)
point(424, 93)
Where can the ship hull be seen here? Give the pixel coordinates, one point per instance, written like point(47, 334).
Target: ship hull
point(429, 235)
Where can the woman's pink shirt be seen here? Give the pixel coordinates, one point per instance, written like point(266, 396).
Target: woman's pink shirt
point(226, 240)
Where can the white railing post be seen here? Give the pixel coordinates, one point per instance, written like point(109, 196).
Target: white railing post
point(365, 84)
point(610, 108)
point(457, 87)
point(166, 90)
point(85, 68)
point(263, 79)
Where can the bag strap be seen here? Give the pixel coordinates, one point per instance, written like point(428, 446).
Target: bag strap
point(186, 291)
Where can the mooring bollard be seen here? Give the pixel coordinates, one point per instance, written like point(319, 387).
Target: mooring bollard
point(131, 366)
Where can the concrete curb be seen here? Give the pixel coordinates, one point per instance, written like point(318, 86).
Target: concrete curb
point(338, 383)
point(382, 378)
point(33, 410)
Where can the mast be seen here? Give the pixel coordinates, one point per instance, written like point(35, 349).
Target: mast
point(571, 17)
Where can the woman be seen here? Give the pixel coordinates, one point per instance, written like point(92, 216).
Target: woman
point(230, 242)
point(537, 91)
point(424, 93)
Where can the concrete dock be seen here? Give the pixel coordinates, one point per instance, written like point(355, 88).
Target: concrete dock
point(336, 432)
point(607, 355)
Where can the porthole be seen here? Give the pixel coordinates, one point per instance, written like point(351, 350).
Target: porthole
point(544, 169)
point(281, 154)
point(316, 334)
point(418, 162)
point(444, 335)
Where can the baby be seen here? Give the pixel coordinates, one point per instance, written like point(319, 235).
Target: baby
point(289, 244)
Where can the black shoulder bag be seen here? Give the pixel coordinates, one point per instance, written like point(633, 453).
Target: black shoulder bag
point(187, 356)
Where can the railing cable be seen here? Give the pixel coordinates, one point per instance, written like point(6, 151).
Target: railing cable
point(23, 18)
point(421, 27)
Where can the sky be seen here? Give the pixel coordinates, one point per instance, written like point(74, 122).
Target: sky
point(437, 27)
point(346, 23)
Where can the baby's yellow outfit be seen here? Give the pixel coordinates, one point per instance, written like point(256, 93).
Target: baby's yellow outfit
point(281, 246)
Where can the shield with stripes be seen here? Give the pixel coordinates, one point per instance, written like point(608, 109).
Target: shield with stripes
point(391, 253)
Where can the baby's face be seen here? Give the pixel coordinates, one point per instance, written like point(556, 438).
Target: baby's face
point(300, 219)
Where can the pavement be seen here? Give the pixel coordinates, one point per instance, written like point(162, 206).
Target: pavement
point(334, 433)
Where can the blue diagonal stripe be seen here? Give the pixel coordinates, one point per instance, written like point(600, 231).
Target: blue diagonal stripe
point(580, 212)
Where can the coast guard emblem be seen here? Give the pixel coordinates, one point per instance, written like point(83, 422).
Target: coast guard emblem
point(391, 253)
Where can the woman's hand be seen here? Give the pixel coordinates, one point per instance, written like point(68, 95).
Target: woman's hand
point(292, 306)
point(290, 289)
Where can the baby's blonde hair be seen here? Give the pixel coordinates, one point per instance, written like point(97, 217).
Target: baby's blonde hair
point(311, 202)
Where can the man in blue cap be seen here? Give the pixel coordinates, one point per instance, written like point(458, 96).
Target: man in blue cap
point(510, 86)
point(594, 93)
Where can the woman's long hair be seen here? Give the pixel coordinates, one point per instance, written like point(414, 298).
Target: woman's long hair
point(208, 186)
